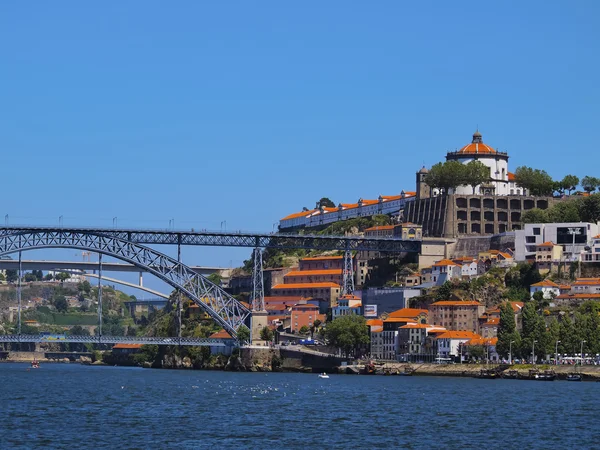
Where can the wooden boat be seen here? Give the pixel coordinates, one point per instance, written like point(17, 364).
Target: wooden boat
point(488, 374)
point(511, 375)
point(546, 375)
point(407, 372)
point(574, 376)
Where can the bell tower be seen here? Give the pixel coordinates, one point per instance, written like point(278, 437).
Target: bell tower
point(423, 189)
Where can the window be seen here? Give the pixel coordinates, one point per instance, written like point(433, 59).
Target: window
point(537, 231)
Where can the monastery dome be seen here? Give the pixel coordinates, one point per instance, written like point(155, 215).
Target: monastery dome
point(477, 147)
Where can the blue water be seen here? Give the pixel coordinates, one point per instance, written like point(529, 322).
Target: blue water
point(73, 406)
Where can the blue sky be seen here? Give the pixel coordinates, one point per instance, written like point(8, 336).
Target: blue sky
point(245, 112)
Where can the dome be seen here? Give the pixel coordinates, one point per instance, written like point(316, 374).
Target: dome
point(423, 170)
point(477, 146)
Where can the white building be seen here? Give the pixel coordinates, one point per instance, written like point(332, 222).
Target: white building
point(347, 305)
point(448, 343)
point(573, 236)
point(445, 270)
point(593, 254)
point(549, 288)
point(497, 162)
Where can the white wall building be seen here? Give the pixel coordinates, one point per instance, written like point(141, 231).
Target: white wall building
point(549, 288)
point(565, 234)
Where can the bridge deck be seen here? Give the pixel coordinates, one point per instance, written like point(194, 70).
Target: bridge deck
point(38, 339)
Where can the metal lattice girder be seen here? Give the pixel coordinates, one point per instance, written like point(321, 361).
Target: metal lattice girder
point(258, 284)
point(224, 239)
point(36, 338)
point(348, 274)
point(221, 306)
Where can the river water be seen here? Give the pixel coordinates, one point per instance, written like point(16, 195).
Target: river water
point(73, 406)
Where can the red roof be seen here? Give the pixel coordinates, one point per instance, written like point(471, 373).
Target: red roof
point(308, 273)
point(321, 258)
point(456, 303)
point(547, 244)
point(307, 285)
point(381, 228)
point(545, 283)
point(444, 262)
point(222, 334)
point(408, 312)
point(458, 335)
point(128, 346)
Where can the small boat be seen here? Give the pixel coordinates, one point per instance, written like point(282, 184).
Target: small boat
point(574, 377)
point(511, 375)
point(546, 375)
point(488, 374)
point(407, 372)
point(323, 375)
point(35, 364)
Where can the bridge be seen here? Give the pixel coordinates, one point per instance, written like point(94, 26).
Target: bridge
point(185, 341)
point(127, 245)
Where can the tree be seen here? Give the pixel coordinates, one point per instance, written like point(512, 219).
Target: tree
point(60, 303)
point(569, 183)
point(215, 278)
point(2, 277)
point(62, 276)
point(476, 351)
point(29, 277)
point(535, 215)
point(567, 211)
point(444, 291)
point(446, 176)
point(243, 334)
point(49, 277)
point(589, 209)
point(78, 330)
point(536, 181)
point(11, 275)
point(590, 184)
point(507, 330)
point(325, 202)
point(304, 330)
point(348, 333)
point(266, 334)
point(475, 173)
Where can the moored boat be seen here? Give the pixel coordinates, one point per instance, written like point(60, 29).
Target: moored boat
point(35, 364)
point(511, 374)
point(488, 374)
point(574, 377)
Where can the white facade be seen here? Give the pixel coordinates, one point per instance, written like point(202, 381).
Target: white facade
point(548, 288)
point(533, 235)
point(593, 255)
point(448, 347)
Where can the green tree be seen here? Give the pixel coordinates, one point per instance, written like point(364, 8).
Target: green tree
point(589, 209)
point(62, 276)
point(475, 173)
point(325, 203)
point(60, 303)
point(569, 183)
point(243, 334)
point(590, 184)
point(11, 275)
point(49, 277)
point(304, 330)
point(476, 351)
point(553, 335)
point(2, 277)
point(78, 330)
point(446, 176)
point(535, 215)
point(266, 334)
point(507, 331)
point(215, 278)
point(348, 333)
point(567, 211)
point(536, 181)
point(444, 291)
point(29, 277)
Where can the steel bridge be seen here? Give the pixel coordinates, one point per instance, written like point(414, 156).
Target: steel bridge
point(39, 339)
point(128, 245)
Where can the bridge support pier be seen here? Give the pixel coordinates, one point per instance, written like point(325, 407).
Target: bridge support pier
point(348, 274)
point(99, 296)
point(259, 313)
point(19, 293)
point(260, 320)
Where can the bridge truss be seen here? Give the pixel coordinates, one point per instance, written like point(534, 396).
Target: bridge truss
point(39, 339)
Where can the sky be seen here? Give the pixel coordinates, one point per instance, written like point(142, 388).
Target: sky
point(203, 113)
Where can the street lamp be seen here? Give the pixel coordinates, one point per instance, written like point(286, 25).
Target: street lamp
point(510, 351)
point(556, 353)
point(581, 354)
point(533, 352)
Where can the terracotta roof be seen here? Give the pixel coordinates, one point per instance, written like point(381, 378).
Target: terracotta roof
point(321, 258)
point(300, 214)
point(308, 273)
point(125, 346)
point(479, 148)
point(423, 325)
point(374, 322)
point(577, 296)
point(304, 306)
point(546, 244)
point(306, 285)
point(458, 335)
point(586, 281)
point(222, 334)
point(511, 176)
point(545, 283)
point(278, 307)
point(444, 262)
point(482, 341)
point(564, 286)
point(400, 319)
point(408, 312)
point(456, 303)
point(381, 228)
point(517, 306)
point(283, 299)
point(492, 322)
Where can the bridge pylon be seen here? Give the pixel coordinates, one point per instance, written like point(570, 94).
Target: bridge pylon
point(348, 274)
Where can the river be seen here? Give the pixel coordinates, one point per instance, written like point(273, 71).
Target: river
point(74, 406)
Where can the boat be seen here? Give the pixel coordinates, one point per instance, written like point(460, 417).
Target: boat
point(407, 372)
point(323, 375)
point(488, 374)
point(511, 374)
point(546, 375)
point(35, 364)
point(574, 377)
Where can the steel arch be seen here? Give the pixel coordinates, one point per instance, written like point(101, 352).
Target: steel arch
point(221, 306)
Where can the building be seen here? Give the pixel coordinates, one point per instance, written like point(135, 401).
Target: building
point(586, 285)
point(378, 301)
point(450, 343)
point(375, 332)
point(489, 329)
point(456, 315)
point(548, 288)
point(489, 343)
point(389, 205)
point(326, 291)
point(414, 342)
point(347, 305)
point(126, 349)
point(392, 323)
point(314, 276)
point(573, 237)
point(321, 263)
point(304, 315)
point(592, 254)
point(445, 270)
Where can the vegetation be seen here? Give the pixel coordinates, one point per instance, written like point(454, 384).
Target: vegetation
point(348, 333)
point(581, 209)
point(447, 175)
point(536, 181)
point(325, 202)
point(243, 334)
point(266, 334)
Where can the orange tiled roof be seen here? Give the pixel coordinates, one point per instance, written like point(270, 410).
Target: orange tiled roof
point(374, 323)
point(381, 228)
point(400, 319)
point(511, 176)
point(300, 214)
point(321, 258)
point(479, 148)
point(408, 312)
point(545, 283)
point(306, 285)
point(129, 346)
point(458, 335)
point(586, 281)
point(546, 244)
point(348, 297)
point(456, 303)
point(564, 286)
point(577, 296)
point(482, 341)
point(423, 325)
point(283, 298)
point(221, 334)
point(492, 322)
point(298, 273)
point(278, 307)
point(304, 306)
point(444, 262)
